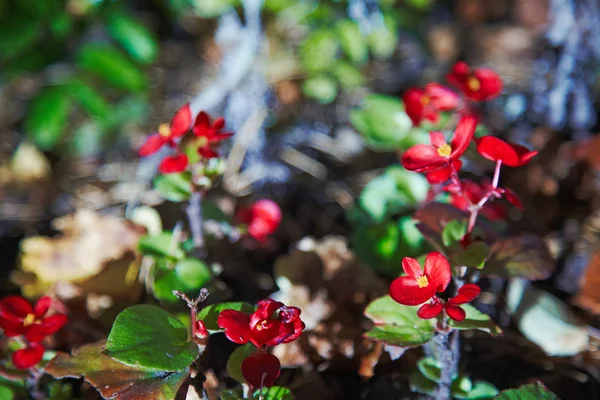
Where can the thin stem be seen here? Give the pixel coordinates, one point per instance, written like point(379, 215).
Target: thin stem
point(195, 219)
point(446, 350)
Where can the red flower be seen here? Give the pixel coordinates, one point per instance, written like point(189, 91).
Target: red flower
point(425, 158)
point(210, 134)
point(496, 149)
point(466, 294)
point(28, 357)
point(272, 323)
point(18, 317)
point(173, 164)
point(167, 134)
point(479, 84)
point(443, 174)
point(263, 218)
point(426, 104)
point(418, 286)
point(200, 330)
point(261, 369)
point(472, 194)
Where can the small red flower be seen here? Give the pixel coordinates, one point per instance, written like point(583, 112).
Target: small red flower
point(425, 158)
point(210, 134)
point(496, 149)
point(466, 294)
point(261, 369)
point(167, 134)
point(173, 164)
point(271, 324)
point(28, 357)
point(200, 330)
point(263, 218)
point(427, 103)
point(18, 317)
point(479, 84)
point(418, 286)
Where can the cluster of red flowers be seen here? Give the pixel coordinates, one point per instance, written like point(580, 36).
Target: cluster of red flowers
point(420, 286)
point(262, 218)
point(206, 135)
point(19, 318)
point(271, 324)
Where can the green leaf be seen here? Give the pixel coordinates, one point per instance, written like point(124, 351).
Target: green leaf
point(398, 325)
point(174, 187)
point(352, 41)
point(162, 245)
point(234, 363)
point(17, 35)
point(318, 52)
point(135, 38)
point(57, 391)
point(481, 391)
point(112, 66)
point(383, 40)
point(453, 232)
point(524, 256)
point(210, 313)
point(115, 380)
point(6, 393)
point(461, 386)
point(213, 8)
point(474, 255)
point(348, 76)
point(273, 393)
point(429, 368)
point(130, 109)
point(193, 273)
point(532, 391)
point(164, 284)
point(88, 98)
point(148, 336)
point(475, 319)
point(46, 121)
point(320, 88)
point(420, 384)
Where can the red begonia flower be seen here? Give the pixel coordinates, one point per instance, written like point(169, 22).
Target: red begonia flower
point(427, 103)
point(472, 194)
point(263, 218)
point(431, 309)
point(513, 198)
point(271, 324)
point(18, 317)
point(28, 357)
point(441, 175)
point(173, 164)
point(466, 294)
point(479, 84)
point(496, 149)
point(425, 158)
point(418, 286)
point(167, 134)
point(210, 133)
point(261, 369)
point(200, 330)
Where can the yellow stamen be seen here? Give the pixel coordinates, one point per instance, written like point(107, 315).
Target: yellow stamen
point(425, 100)
point(445, 150)
point(474, 84)
point(164, 130)
point(422, 281)
point(261, 325)
point(29, 320)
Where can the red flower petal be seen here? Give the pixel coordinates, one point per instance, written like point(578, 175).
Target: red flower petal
point(443, 174)
point(496, 149)
point(200, 330)
point(405, 290)
point(261, 369)
point(413, 105)
point(437, 269)
point(152, 144)
point(463, 135)
point(202, 124)
point(458, 74)
point(437, 139)
point(412, 267)
point(218, 124)
point(442, 97)
point(513, 198)
point(207, 152)
point(455, 312)
point(42, 306)
point(28, 357)
point(14, 308)
point(181, 122)
point(490, 85)
point(466, 294)
point(422, 158)
point(53, 323)
point(268, 211)
point(430, 310)
point(173, 164)
point(236, 325)
point(296, 330)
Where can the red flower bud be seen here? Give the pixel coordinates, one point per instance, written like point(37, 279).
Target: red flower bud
point(261, 369)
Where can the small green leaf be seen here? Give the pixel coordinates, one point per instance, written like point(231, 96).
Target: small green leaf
point(162, 245)
point(461, 386)
point(532, 391)
point(420, 384)
point(318, 52)
point(57, 391)
point(174, 187)
point(88, 98)
point(475, 319)
point(453, 232)
point(210, 313)
point(164, 284)
point(112, 66)
point(348, 76)
point(234, 363)
point(320, 88)
point(273, 393)
point(193, 273)
point(6, 393)
point(474, 255)
point(135, 38)
point(400, 336)
point(148, 336)
point(429, 368)
point(383, 39)
point(17, 35)
point(352, 41)
point(213, 8)
point(46, 121)
point(481, 391)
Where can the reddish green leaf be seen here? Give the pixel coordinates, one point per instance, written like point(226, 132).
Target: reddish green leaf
point(524, 256)
point(475, 319)
point(113, 379)
point(532, 391)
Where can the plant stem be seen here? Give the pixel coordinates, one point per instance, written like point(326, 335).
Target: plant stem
point(195, 219)
point(446, 351)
